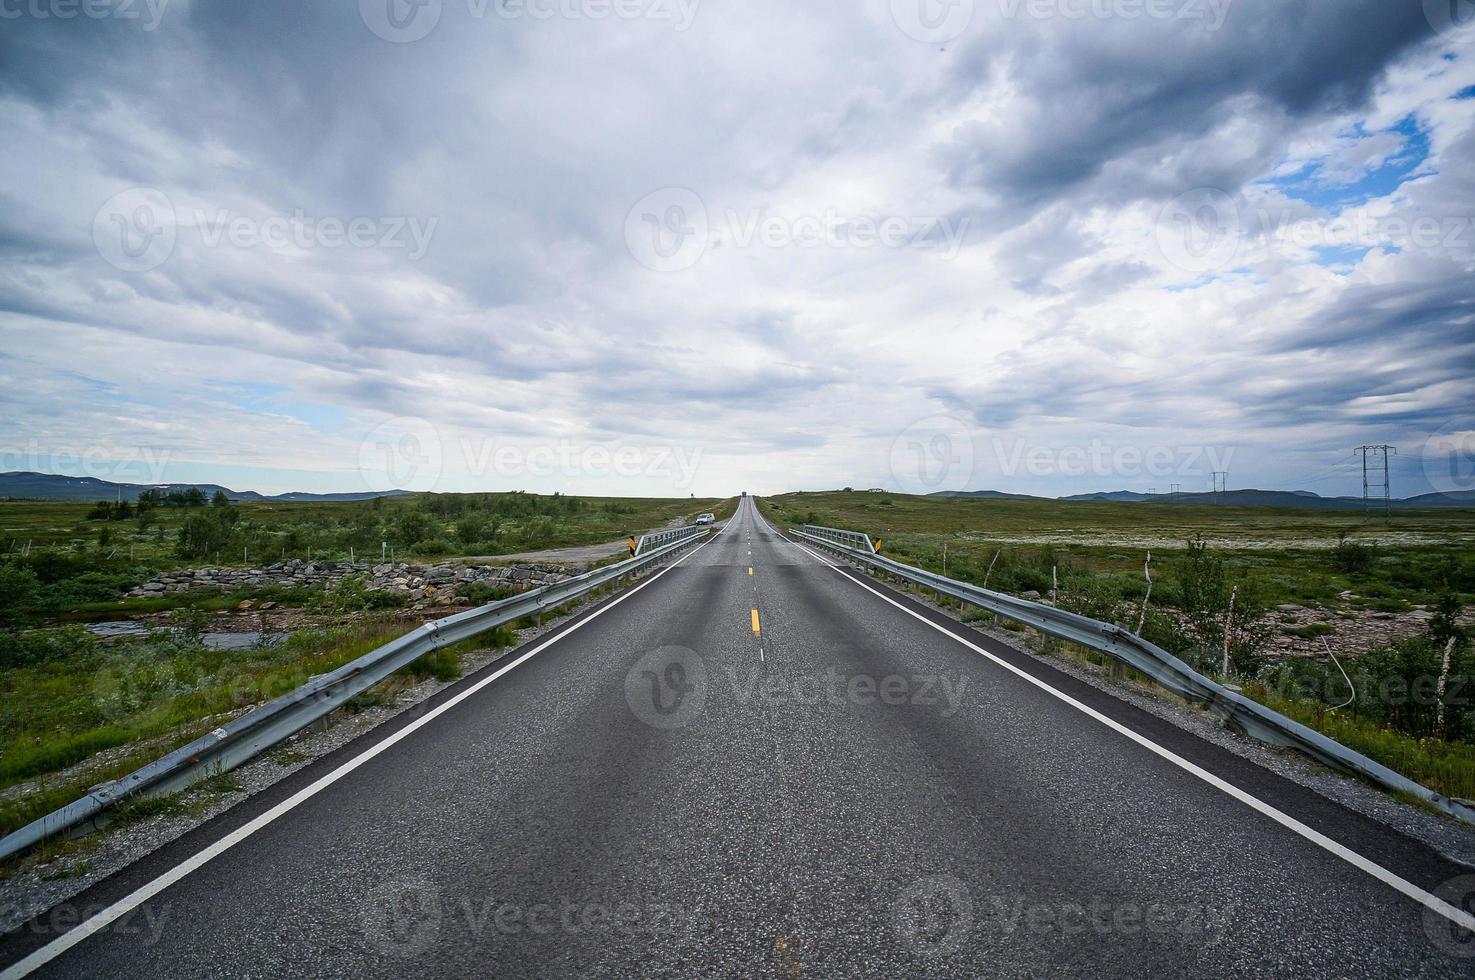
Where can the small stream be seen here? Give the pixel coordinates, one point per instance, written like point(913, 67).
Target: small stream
point(228, 640)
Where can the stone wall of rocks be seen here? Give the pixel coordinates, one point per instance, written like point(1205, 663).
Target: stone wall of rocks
point(437, 584)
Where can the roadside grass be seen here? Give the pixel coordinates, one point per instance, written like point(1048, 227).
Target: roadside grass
point(416, 526)
point(1446, 767)
point(60, 562)
point(1289, 554)
point(161, 693)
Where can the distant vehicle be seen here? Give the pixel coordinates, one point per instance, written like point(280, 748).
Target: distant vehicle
point(706, 518)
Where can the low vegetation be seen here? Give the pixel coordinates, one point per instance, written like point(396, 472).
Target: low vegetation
point(70, 560)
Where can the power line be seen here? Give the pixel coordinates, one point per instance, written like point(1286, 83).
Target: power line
point(1376, 485)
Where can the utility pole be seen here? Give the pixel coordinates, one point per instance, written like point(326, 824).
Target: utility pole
point(1173, 489)
point(1376, 485)
point(1221, 484)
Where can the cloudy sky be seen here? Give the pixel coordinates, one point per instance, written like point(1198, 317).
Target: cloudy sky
point(670, 246)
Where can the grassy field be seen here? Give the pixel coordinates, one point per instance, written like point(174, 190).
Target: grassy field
point(1292, 555)
point(68, 561)
point(415, 526)
point(1220, 571)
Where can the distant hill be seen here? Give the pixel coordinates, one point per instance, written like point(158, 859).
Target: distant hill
point(49, 486)
point(1304, 499)
point(985, 495)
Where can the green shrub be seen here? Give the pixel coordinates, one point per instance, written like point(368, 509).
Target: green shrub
point(1351, 557)
point(34, 647)
point(18, 587)
point(481, 593)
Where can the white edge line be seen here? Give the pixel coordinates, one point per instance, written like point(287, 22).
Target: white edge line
point(1424, 898)
point(39, 958)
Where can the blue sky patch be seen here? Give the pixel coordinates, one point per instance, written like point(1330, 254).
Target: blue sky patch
point(1321, 189)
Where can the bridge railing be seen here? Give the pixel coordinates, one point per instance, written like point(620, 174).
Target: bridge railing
point(848, 539)
point(659, 539)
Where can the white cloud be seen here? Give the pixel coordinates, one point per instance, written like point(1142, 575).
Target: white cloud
point(796, 358)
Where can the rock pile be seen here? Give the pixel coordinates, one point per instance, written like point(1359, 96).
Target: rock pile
point(419, 583)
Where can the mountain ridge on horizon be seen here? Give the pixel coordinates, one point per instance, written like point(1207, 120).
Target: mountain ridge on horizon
point(29, 485)
point(1249, 497)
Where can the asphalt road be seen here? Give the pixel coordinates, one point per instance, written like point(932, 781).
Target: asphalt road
point(757, 764)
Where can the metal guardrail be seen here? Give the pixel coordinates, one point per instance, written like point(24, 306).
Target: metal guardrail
point(1123, 646)
point(248, 736)
point(848, 539)
point(659, 539)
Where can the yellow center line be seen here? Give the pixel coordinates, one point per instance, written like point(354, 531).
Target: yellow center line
point(755, 621)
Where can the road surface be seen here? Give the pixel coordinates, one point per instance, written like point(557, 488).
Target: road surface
point(758, 764)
